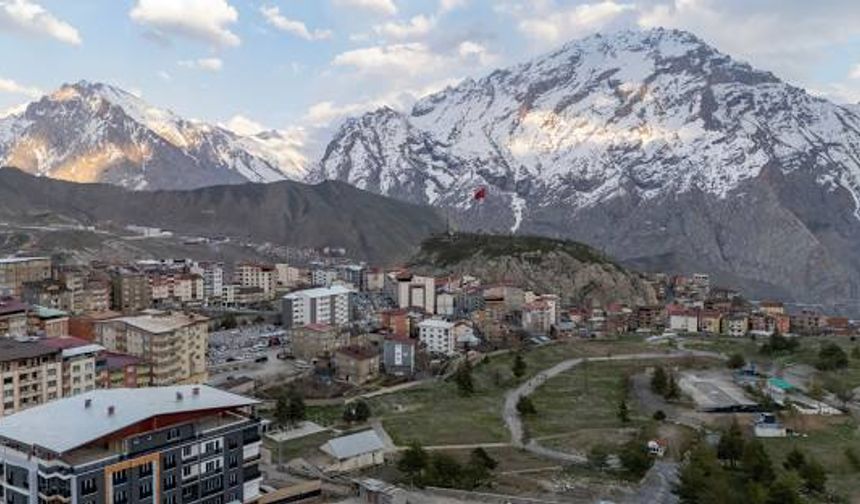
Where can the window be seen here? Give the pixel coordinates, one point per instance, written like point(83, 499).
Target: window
point(186, 451)
point(173, 434)
point(88, 486)
point(145, 490)
point(186, 471)
point(120, 497)
point(120, 477)
point(169, 482)
point(234, 480)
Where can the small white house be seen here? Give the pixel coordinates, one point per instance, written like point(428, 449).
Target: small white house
point(354, 452)
point(767, 426)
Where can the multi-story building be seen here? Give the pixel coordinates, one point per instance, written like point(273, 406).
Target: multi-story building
point(317, 340)
point(96, 296)
point(15, 271)
point(30, 374)
point(323, 277)
point(116, 370)
point(79, 363)
point(538, 316)
point(213, 279)
point(131, 292)
point(173, 343)
point(169, 445)
point(736, 325)
point(49, 323)
point(323, 305)
point(398, 355)
point(257, 275)
point(438, 336)
point(13, 318)
point(49, 293)
point(356, 364)
point(413, 291)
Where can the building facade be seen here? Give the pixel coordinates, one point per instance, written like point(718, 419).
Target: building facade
point(438, 336)
point(169, 445)
point(30, 373)
point(323, 305)
point(15, 271)
point(174, 344)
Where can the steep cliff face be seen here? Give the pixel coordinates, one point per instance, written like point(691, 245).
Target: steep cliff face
point(650, 145)
point(575, 272)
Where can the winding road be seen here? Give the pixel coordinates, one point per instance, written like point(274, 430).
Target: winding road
point(657, 484)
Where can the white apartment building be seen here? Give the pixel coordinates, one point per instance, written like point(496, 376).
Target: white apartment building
point(322, 277)
point(79, 363)
point(437, 335)
point(213, 278)
point(322, 305)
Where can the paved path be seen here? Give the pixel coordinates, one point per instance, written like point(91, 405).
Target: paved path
point(656, 487)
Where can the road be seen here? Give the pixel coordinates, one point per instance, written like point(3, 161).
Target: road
point(656, 487)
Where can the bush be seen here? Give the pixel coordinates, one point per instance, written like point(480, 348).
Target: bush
point(634, 458)
point(525, 407)
point(830, 357)
point(736, 361)
point(659, 415)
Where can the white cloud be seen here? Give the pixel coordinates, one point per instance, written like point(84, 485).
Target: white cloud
point(855, 72)
point(473, 51)
point(560, 24)
point(412, 58)
point(208, 64)
point(449, 5)
point(275, 18)
point(12, 87)
point(25, 16)
point(205, 20)
point(418, 26)
point(165, 75)
point(327, 113)
point(244, 126)
point(377, 6)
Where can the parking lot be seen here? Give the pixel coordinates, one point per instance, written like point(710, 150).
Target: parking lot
point(248, 351)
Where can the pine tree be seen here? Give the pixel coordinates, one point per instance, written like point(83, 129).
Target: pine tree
point(814, 476)
point(519, 366)
point(731, 445)
point(658, 380)
point(672, 390)
point(525, 407)
point(463, 378)
point(623, 412)
point(756, 464)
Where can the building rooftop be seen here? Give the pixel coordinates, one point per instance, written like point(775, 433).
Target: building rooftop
point(436, 323)
point(114, 360)
point(14, 260)
point(162, 322)
point(334, 290)
point(11, 350)
point(9, 306)
point(72, 347)
point(82, 425)
point(355, 444)
point(44, 312)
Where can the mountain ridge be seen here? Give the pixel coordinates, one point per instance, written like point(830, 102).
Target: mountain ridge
point(644, 144)
point(94, 132)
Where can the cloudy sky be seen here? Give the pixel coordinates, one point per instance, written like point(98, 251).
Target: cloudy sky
point(287, 63)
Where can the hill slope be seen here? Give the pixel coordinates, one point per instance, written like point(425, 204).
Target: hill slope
point(651, 145)
point(575, 272)
point(288, 213)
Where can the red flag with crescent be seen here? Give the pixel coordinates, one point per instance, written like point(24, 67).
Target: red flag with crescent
point(480, 193)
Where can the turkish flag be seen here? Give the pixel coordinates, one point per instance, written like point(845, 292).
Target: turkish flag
point(480, 193)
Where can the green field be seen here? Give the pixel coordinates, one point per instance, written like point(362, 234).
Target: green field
point(827, 444)
point(436, 414)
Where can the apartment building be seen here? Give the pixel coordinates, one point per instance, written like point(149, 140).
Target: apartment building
point(323, 305)
point(213, 278)
point(413, 291)
point(13, 318)
point(79, 363)
point(257, 275)
point(15, 271)
point(48, 322)
point(30, 373)
point(438, 336)
point(168, 445)
point(173, 343)
point(131, 292)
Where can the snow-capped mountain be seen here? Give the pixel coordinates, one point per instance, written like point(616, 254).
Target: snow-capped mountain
point(651, 144)
point(93, 132)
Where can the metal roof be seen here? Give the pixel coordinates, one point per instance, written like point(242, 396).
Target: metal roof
point(80, 425)
point(353, 445)
point(334, 290)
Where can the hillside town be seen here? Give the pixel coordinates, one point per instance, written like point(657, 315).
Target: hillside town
point(267, 355)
